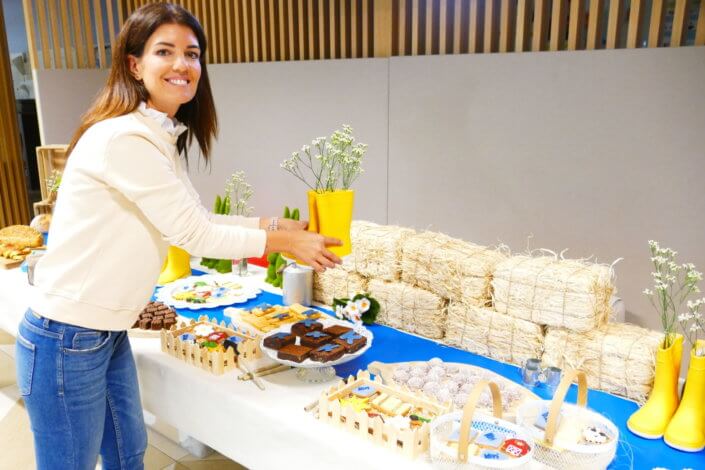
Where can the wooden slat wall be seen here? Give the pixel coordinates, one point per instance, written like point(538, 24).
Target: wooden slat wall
point(14, 207)
point(78, 33)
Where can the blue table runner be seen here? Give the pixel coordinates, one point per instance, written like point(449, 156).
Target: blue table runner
point(392, 345)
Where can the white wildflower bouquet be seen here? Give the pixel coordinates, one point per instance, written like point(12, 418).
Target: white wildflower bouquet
point(238, 193)
point(362, 308)
point(334, 163)
point(673, 284)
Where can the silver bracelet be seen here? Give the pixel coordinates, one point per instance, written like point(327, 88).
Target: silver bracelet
point(273, 224)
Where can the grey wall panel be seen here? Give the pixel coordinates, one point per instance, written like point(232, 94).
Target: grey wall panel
point(593, 151)
point(62, 97)
point(268, 110)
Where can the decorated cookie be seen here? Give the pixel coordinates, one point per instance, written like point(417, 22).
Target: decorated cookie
point(491, 439)
point(203, 330)
point(364, 391)
point(595, 435)
point(357, 404)
point(493, 455)
point(454, 435)
point(232, 342)
point(515, 448)
point(187, 337)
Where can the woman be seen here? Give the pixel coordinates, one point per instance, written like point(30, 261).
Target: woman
point(125, 197)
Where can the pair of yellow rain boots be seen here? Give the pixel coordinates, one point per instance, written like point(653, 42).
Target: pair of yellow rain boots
point(682, 425)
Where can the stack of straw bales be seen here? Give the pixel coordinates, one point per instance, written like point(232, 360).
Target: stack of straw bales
point(448, 267)
point(510, 308)
point(489, 333)
point(618, 358)
point(409, 308)
point(556, 292)
point(337, 283)
point(376, 249)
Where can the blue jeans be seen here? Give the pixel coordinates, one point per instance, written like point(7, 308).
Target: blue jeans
point(81, 392)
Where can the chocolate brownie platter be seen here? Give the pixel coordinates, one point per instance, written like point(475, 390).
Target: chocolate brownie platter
point(153, 318)
point(316, 342)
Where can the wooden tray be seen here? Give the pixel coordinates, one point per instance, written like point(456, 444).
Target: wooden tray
point(10, 263)
point(386, 372)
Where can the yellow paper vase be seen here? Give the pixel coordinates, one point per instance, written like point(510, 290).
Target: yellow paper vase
point(332, 216)
point(176, 266)
point(312, 212)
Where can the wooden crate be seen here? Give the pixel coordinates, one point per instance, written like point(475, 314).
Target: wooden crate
point(409, 442)
point(215, 362)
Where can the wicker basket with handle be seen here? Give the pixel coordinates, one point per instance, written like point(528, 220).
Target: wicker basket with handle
point(472, 425)
point(562, 452)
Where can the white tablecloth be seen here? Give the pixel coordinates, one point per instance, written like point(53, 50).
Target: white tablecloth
point(259, 429)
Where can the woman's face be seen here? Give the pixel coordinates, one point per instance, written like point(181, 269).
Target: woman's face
point(169, 67)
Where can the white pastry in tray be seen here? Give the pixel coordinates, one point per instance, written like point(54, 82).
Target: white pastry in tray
point(452, 382)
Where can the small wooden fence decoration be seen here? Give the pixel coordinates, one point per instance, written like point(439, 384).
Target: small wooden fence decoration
point(409, 442)
point(216, 362)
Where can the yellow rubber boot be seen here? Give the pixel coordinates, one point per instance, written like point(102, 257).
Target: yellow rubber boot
point(651, 420)
point(686, 431)
point(176, 266)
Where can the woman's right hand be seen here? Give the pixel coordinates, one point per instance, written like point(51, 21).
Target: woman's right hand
point(311, 248)
point(308, 247)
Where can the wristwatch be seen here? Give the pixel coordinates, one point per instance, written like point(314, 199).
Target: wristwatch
point(273, 224)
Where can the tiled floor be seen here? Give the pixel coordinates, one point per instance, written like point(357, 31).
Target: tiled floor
point(16, 437)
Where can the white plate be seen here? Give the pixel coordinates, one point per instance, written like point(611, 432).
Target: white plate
point(309, 363)
point(232, 289)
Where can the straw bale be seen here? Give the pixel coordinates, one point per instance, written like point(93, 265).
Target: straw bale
point(376, 249)
point(573, 294)
point(489, 333)
point(338, 282)
point(409, 308)
point(449, 267)
point(618, 358)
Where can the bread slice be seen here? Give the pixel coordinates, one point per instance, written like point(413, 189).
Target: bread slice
point(21, 236)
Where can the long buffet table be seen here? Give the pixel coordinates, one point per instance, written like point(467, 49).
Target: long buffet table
point(270, 429)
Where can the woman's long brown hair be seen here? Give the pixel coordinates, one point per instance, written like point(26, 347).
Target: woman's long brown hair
point(122, 93)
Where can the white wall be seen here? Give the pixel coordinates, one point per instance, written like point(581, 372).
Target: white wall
point(593, 151)
point(597, 152)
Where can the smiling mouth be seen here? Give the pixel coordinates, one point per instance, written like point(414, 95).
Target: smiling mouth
point(178, 81)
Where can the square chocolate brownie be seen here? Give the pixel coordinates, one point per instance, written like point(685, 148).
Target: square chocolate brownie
point(306, 326)
point(292, 352)
point(315, 338)
point(351, 341)
point(336, 330)
point(279, 340)
point(327, 352)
